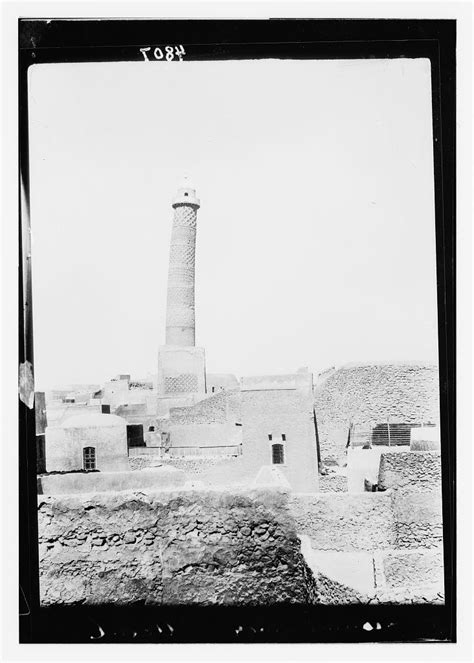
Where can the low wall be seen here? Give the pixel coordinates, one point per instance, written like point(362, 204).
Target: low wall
point(416, 470)
point(199, 435)
point(384, 577)
point(211, 410)
point(144, 451)
point(176, 547)
point(225, 471)
point(345, 521)
point(332, 483)
point(418, 519)
point(411, 570)
point(193, 467)
point(98, 482)
point(210, 451)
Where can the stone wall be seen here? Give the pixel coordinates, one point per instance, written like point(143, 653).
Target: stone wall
point(418, 519)
point(373, 547)
point(176, 547)
point(414, 480)
point(368, 395)
point(344, 521)
point(332, 483)
point(417, 470)
point(99, 482)
point(224, 472)
point(212, 410)
point(189, 438)
point(209, 423)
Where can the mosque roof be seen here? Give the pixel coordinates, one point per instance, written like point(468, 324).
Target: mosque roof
point(93, 419)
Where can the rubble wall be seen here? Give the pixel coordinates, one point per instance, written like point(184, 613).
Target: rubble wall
point(332, 483)
point(418, 519)
point(344, 521)
point(371, 394)
point(176, 547)
point(416, 470)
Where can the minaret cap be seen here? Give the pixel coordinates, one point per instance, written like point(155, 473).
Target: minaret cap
point(186, 195)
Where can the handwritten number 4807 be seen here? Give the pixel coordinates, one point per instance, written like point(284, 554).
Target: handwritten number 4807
point(170, 53)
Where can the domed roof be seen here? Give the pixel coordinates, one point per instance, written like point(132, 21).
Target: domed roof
point(94, 419)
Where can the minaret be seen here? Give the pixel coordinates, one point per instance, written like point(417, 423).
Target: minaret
point(181, 365)
point(180, 310)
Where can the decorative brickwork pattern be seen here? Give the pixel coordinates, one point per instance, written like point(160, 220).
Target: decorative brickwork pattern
point(180, 314)
point(185, 383)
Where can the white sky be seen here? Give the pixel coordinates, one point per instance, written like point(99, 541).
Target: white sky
point(316, 242)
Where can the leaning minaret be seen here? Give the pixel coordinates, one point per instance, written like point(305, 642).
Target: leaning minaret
point(181, 365)
point(180, 311)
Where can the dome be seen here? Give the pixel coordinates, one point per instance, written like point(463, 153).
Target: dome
point(94, 419)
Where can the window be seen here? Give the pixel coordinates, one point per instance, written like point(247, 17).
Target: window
point(270, 437)
point(278, 457)
point(89, 458)
point(151, 429)
point(283, 437)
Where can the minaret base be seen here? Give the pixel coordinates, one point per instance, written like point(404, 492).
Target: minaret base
point(181, 375)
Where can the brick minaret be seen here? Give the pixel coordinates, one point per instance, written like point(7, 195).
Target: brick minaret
point(180, 312)
point(181, 365)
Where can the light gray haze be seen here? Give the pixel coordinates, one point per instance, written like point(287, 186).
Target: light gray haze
point(316, 241)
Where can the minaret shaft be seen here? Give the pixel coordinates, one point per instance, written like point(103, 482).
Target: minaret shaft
point(180, 311)
point(181, 365)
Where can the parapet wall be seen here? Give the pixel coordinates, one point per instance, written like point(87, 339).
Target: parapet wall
point(345, 521)
point(103, 482)
point(242, 546)
point(209, 423)
point(416, 470)
point(373, 547)
point(226, 471)
point(414, 480)
point(212, 410)
point(332, 483)
point(177, 547)
point(367, 395)
point(418, 518)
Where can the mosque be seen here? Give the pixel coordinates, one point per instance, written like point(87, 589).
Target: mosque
point(239, 426)
point(205, 489)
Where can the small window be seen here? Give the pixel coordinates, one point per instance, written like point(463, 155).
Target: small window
point(212, 389)
point(278, 457)
point(270, 437)
point(185, 193)
point(283, 437)
point(89, 458)
point(151, 429)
